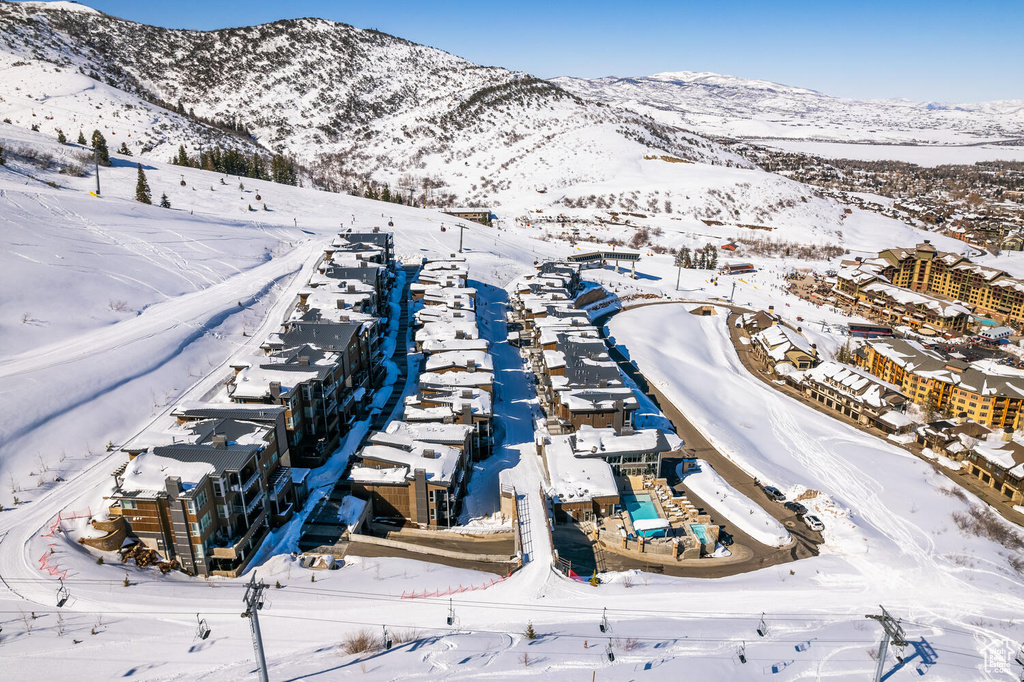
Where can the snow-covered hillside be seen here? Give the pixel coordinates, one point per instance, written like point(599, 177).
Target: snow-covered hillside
point(736, 107)
point(348, 102)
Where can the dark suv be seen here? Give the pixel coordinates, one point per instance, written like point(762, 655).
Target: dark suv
point(796, 508)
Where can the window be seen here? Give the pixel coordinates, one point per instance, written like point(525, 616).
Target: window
point(218, 488)
point(198, 551)
point(201, 499)
point(194, 529)
point(128, 504)
point(191, 506)
point(206, 521)
point(223, 511)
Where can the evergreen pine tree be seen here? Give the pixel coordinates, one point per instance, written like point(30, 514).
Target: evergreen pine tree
point(124, 149)
point(99, 144)
point(142, 194)
point(164, 201)
point(61, 137)
point(81, 137)
point(385, 193)
point(182, 158)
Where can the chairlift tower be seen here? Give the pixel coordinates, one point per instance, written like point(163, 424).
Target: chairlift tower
point(253, 603)
point(892, 632)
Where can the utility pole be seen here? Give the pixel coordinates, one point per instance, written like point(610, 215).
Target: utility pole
point(893, 632)
point(462, 228)
point(96, 161)
point(732, 296)
point(253, 603)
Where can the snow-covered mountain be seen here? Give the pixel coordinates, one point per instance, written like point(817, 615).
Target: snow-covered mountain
point(736, 107)
point(347, 102)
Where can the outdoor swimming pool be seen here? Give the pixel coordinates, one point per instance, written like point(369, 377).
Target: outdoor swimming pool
point(642, 507)
point(701, 531)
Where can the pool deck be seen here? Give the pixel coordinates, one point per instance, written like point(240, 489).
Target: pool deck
point(670, 506)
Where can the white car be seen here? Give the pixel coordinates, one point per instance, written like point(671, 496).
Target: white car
point(814, 523)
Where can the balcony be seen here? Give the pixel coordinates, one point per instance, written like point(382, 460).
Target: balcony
point(253, 505)
point(229, 548)
point(282, 476)
point(248, 482)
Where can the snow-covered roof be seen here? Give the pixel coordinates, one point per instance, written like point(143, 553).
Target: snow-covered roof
point(906, 297)
point(597, 399)
point(577, 479)
point(896, 419)
point(589, 441)
point(450, 434)
point(439, 345)
point(448, 380)
point(401, 449)
point(459, 358)
point(147, 473)
point(449, 329)
point(778, 340)
point(853, 382)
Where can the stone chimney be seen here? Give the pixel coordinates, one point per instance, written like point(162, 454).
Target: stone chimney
point(275, 389)
point(173, 485)
point(341, 304)
point(467, 413)
point(467, 394)
point(471, 365)
point(351, 288)
point(619, 418)
point(1007, 434)
point(219, 441)
point(428, 453)
point(304, 360)
point(961, 418)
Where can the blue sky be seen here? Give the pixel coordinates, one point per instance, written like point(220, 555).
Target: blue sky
point(938, 50)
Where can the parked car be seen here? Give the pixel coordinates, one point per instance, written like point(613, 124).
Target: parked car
point(814, 523)
point(774, 493)
point(796, 507)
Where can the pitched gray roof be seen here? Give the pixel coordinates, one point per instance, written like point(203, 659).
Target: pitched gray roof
point(332, 336)
point(230, 458)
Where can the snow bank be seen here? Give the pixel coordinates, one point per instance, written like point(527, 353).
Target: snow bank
point(736, 507)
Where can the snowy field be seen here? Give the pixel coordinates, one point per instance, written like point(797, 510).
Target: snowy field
point(736, 507)
point(922, 155)
point(890, 537)
point(88, 375)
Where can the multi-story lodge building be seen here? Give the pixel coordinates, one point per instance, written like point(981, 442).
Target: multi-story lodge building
point(984, 392)
point(415, 473)
point(206, 497)
point(882, 286)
